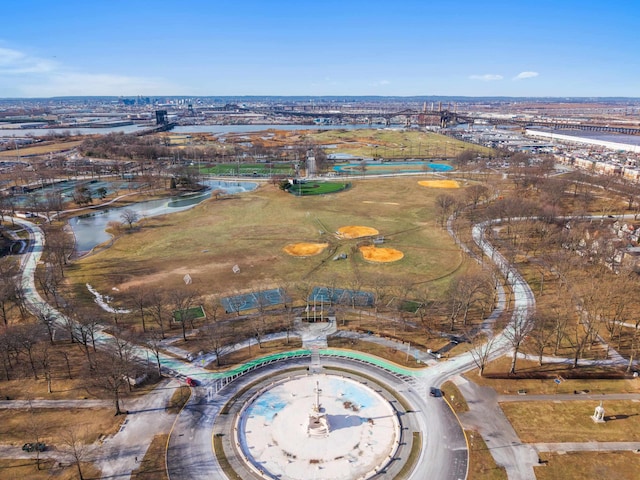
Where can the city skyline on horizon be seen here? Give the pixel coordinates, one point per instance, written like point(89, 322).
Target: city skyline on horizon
point(282, 48)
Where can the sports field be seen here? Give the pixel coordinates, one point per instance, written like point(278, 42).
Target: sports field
point(252, 230)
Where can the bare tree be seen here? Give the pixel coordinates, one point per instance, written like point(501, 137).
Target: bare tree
point(541, 333)
point(444, 207)
point(34, 430)
point(219, 337)
point(77, 450)
point(516, 332)
point(8, 281)
point(140, 297)
point(153, 341)
point(481, 350)
point(183, 299)
point(157, 310)
point(115, 367)
point(129, 217)
point(475, 193)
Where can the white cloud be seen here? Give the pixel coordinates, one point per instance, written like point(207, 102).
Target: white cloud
point(381, 83)
point(488, 77)
point(79, 84)
point(36, 77)
point(523, 75)
point(13, 62)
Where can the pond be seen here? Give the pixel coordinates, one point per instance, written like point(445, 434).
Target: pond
point(376, 167)
point(89, 229)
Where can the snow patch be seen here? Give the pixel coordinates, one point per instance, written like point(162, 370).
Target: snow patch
point(103, 301)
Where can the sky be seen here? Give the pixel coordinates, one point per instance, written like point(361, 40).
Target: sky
point(538, 48)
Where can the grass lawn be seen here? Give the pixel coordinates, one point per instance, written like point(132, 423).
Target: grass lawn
point(40, 149)
point(392, 144)
point(248, 169)
point(540, 380)
point(21, 469)
point(482, 466)
point(569, 421)
point(252, 230)
point(152, 466)
point(589, 465)
point(178, 400)
point(459, 404)
point(399, 357)
point(317, 188)
point(18, 426)
point(192, 313)
point(238, 357)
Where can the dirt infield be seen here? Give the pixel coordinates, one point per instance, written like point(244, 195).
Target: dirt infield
point(354, 231)
point(305, 249)
point(439, 183)
point(382, 255)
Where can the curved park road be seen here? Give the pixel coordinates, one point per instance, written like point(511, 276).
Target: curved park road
point(195, 425)
point(190, 455)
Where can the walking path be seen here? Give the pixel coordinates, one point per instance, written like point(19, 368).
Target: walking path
point(116, 457)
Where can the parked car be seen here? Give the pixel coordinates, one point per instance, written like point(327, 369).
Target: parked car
point(32, 447)
point(191, 382)
point(435, 392)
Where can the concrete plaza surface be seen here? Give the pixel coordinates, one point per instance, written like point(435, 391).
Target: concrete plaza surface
point(363, 429)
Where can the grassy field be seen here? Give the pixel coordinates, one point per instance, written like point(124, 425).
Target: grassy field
point(540, 380)
point(482, 466)
point(40, 149)
point(394, 355)
point(251, 231)
point(250, 169)
point(152, 466)
point(392, 144)
point(22, 469)
point(317, 188)
point(553, 422)
point(589, 465)
point(17, 426)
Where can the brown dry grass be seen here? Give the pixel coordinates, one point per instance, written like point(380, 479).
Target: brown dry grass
point(387, 353)
point(179, 399)
point(482, 466)
point(439, 183)
point(208, 240)
point(589, 465)
point(152, 466)
point(553, 422)
point(26, 469)
point(41, 149)
point(380, 254)
point(459, 404)
point(540, 380)
point(304, 249)
point(17, 426)
point(243, 355)
point(79, 387)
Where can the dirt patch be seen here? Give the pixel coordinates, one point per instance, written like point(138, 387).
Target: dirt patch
point(439, 183)
point(383, 255)
point(305, 249)
point(355, 231)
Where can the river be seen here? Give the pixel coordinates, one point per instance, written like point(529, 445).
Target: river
point(40, 132)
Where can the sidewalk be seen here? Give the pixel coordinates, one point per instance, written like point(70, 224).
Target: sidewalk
point(486, 416)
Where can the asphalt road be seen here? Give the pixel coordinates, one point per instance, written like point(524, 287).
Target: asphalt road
point(444, 454)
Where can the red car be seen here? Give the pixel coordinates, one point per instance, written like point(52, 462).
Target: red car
point(191, 382)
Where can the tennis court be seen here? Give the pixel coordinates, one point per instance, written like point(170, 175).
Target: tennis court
point(342, 296)
point(253, 300)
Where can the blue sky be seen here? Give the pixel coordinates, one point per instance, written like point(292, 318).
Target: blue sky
point(324, 47)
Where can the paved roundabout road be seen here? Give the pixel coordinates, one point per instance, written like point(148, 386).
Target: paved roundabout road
point(443, 453)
